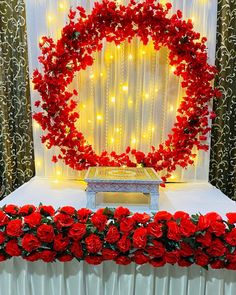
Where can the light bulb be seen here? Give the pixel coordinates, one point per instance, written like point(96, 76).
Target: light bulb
point(112, 139)
point(89, 121)
point(171, 108)
point(113, 99)
point(117, 129)
point(50, 18)
point(91, 76)
point(125, 88)
point(173, 68)
point(99, 117)
point(130, 56)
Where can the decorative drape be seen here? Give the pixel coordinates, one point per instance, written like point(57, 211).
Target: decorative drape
point(223, 150)
point(16, 146)
point(129, 96)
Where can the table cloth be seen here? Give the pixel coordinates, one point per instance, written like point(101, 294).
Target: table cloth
point(38, 278)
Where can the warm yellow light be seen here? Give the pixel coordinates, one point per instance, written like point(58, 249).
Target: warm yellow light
point(41, 40)
point(99, 117)
point(62, 6)
point(91, 76)
point(118, 46)
point(143, 52)
point(56, 181)
point(58, 172)
point(146, 95)
point(173, 177)
point(112, 139)
point(101, 74)
point(84, 106)
point(111, 56)
point(144, 136)
point(153, 129)
point(89, 121)
point(130, 101)
point(113, 99)
point(173, 68)
point(130, 56)
point(156, 89)
point(38, 163)
point(50, 18)
point(133, 140)
point(171, 108)
point(36, 125)
point(125, 88)
point(117, 130)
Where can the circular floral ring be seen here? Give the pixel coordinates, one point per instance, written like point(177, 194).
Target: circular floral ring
point(73, 52)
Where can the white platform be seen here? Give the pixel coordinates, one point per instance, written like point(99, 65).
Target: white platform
point(189, 197)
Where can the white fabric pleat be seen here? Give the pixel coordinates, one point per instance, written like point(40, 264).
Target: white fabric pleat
point(141, 116)
point(38, 278)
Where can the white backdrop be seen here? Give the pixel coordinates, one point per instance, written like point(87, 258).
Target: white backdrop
point(129, 96)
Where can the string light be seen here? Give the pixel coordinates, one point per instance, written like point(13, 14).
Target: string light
point(36, 125)
point(38, 163)
point(50, 18)
point(111, 56)
point(62, 6)
point(56, 181)
point(171, 108)
point(117, 130)
point(133, 141)
point(58, 172)
point(91, 76)
point(41, 40)
point(101, 74)
point(130, 101)
point(99, 117)
point(143, 52)
point(173, 68)
point(113, 99)
point(84, 106)
point(125, 88)
point(112, 140)
point(118, 46)
point(156, 89)
point(173, 177)
point(89, 121)
point(130, 56)
point(146, 95)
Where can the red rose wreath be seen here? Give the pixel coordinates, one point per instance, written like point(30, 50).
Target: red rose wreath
point(73, 52)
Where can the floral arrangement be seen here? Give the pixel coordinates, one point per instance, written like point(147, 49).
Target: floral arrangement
point(82, 36)
point(116, 234)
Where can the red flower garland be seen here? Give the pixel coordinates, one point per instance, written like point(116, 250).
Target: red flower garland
point(73, 52)
point(118, 235)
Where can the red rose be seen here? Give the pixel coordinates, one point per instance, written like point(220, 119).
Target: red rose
point(186, 250)
point(99, 220)
point(47, 255)
point(172, 257)
point(12, 248)
point(45, 233)
point(63, 220)
point(95, 260)
point(157, 250)
point(32, 257)
point(30, 242)
point(182, 261)
point(121, 213)
point(141, 217)
point(205, 239)
point(217, 264)
point(93, 243)
point(181, 215)
point(155, 229)
point(230, 237)
point(140, 258)
point(109, 254)
point(77, 231)
point(46, 210)
point(203, 223)
point(65, 258)
point(187, 228)
point(140, 237)
point(231, 266)
point(231, 217)
point(217, 227)
point(2, 257)
point(76, 250)
point(2, 237)
point(201, 258)
point(60, 243)
point(126, 225)
point(33, 219)
point(11, 209)
point(26, 210)
point(68, 210)
point(112, 235)
point(3, 218)
point(162, 216)
point(122, 260)
point(173, 231)
point(124, 244)
point(83, 214)
point(213, 216)
point(157, 262)
point(14, 228)
point(217, 248)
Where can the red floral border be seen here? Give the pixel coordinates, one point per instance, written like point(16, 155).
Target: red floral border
point(116, 234)
point(81, 37)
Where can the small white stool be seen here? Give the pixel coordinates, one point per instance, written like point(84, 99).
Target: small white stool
point(122, 179)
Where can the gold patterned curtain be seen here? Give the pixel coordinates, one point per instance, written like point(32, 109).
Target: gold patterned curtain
point(16, 145)
point(223, 151)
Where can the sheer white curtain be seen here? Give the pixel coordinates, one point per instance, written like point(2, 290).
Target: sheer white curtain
point(129, 96)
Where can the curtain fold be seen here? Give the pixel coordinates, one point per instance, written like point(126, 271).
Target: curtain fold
point(16, 142)
point(223, 142)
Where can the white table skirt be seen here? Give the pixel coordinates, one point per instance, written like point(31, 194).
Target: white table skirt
point(19, 277)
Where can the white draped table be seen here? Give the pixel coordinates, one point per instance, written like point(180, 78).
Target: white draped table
point(38, 278)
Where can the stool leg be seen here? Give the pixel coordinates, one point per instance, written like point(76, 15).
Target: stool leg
point(154, 198)
point(91, 200)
